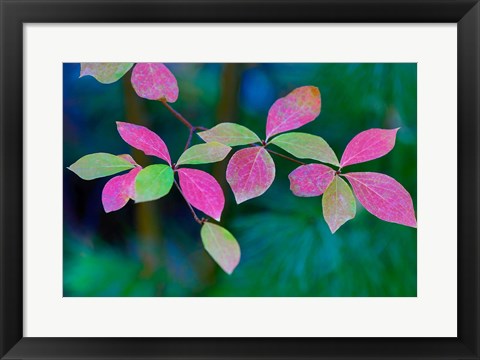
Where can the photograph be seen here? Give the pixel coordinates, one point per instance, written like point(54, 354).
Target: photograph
point(239, 179)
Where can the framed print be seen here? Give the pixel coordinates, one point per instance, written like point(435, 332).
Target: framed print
point(238, 179)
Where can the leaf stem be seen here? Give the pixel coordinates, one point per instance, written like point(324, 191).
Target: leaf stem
point(196, 218)
point(189, 140)
point(286, 157)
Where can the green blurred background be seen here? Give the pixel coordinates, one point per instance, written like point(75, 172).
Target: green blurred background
point(154, 249)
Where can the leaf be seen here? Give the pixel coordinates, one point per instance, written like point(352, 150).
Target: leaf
point(250, 172)
point(221, 245)
point(106, 73)
point(153, 182)
point(204, 153)
point(338, 204)
point(128, 158)
point(368, 145)
point(202, 191)
point(118, 190)
point(296, 109)
point(384, 197)
point(143, 139)
point(230, 134)
point(310, 180)
point(306, 146)
point(154, 81)
point(98, 165)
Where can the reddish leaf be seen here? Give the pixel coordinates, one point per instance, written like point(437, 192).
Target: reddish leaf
point(368, 145)
point(118, 190)
point(202, 191)
point(143, 139)
point(338, 204)
point(310, 180)
point(155, 82)
point(250, 173)
point(384, 197)
point(296, 109)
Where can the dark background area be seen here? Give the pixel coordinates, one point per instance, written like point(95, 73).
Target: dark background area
point(154, 249)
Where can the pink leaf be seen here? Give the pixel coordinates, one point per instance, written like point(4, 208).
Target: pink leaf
point(143, 139)
point(250, 173)
point(155, 82)
point(368, 145)
point(384, 197)
point(296, 109)
point(310, 180)
point(118, 190)
point(202, 191)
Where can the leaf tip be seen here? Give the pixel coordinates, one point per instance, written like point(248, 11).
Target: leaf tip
point(239, 199)
point(314, 90)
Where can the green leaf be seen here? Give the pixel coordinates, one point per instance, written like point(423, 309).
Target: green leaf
point(98, 165)
point(153, 182)
point(230, 134)
point(306, 146)
point(221, 245)
point(204, 153)
point(338, 204)
point(106, 73)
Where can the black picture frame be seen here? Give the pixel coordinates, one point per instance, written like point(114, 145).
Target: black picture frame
point(14, 13)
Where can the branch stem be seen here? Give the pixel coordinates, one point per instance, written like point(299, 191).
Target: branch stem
point(178, 115)
point(195, 217)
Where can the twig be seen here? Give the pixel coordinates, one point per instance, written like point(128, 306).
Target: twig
point(286, 157)
point(178, 115)
point(197, 219)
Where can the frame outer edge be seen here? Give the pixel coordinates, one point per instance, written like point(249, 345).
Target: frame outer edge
point(469, 179)
point(11, 170)
point(12, 17)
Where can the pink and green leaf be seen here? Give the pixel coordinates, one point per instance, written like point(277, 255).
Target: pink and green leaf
point(143, 139)
point(310, 180)
point(98, 165)
point(128, 158)
point(105, 73)
point(221, 245)
point(202, 191)
point(230, 134)
point(153, 182)
point(250, 172)
point(204, 154)
point(338, 204)
point(118, 190)
point(296, 109)
point(368, 145)
point(154, 81)
point(383, 197)
point(306, 146)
